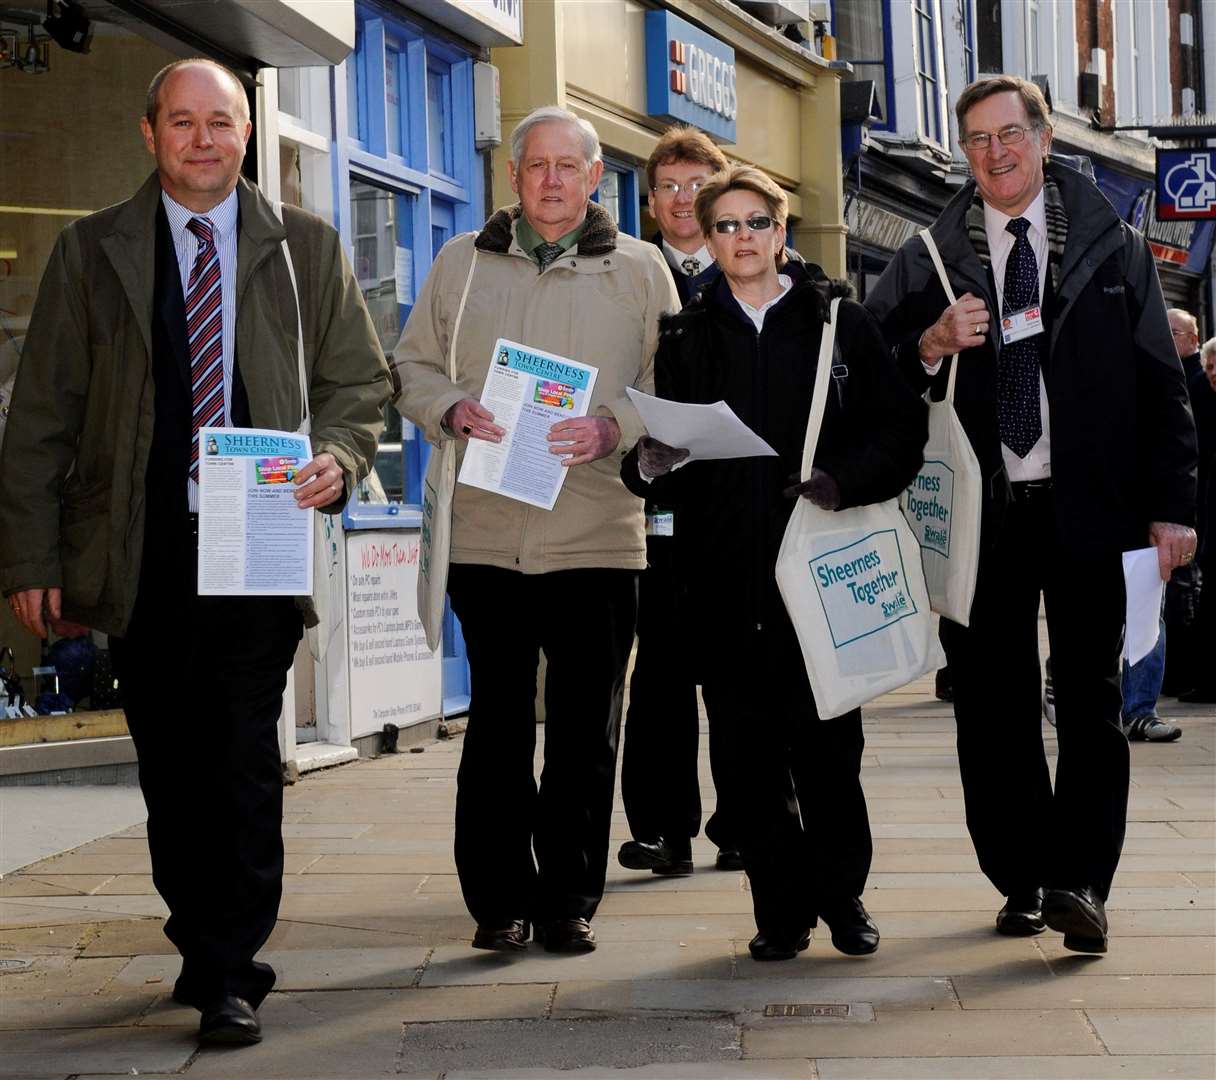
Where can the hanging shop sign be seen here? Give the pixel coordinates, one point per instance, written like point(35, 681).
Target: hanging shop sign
point(1179, 243)
point(1186, 184)
point(690, 76)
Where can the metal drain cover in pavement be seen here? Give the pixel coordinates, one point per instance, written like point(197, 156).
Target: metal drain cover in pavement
point(839, 1011)
point(10, 964)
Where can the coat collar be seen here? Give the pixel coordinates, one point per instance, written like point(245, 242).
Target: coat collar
point(598, 238)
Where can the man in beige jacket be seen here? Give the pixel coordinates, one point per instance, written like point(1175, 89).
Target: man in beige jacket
point(554, 274)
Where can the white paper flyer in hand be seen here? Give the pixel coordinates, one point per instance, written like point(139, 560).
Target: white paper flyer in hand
point(707, 432)
point(528, 391)
point(1142, 577)
point(253, 538)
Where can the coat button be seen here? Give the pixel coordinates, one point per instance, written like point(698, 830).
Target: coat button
point(607, 262)
point(574, 262)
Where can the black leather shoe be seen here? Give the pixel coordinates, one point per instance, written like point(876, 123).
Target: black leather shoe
point(1079, 915)
point(511, 936)
point(1022, 915)
point(778, 946)
point(853, 931)
point(729, 859)
point(567, 936)
point(658, 856)
point(229, 1021)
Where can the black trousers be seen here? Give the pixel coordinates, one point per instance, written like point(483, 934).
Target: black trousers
point(1026, 834)
point(659, 785)
point(584, 621)
point(202, 682)
point(796, 779)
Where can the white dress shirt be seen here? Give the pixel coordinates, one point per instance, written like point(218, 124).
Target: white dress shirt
point(676, 257)
point(756, 314)
point(1036, 465)
point(223, 218)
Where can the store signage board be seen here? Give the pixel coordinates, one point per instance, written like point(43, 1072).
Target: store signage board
point(1186, 184)
point(394, 677)
point(1177, 242)
point(690, 76)
point(488, 22)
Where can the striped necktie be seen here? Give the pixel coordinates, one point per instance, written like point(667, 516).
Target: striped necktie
point(205, 331)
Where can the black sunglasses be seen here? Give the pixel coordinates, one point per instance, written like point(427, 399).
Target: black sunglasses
point(729, 226)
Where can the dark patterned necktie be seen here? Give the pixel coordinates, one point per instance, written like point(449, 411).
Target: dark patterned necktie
point(205, 332)
point(692, 266)
point(546, 253)
point(1021, 424)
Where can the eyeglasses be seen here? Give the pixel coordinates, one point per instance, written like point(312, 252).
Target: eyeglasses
point(729, 226)
point(1009, 136)
point(672, 189)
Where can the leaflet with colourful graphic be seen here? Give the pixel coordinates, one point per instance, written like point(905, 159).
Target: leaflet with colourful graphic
point(253, 539)
point(528, 391)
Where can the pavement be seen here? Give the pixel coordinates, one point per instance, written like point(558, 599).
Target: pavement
point(376, 977)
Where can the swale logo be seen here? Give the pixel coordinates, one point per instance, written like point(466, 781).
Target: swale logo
point(927, 505)
point(862, 586)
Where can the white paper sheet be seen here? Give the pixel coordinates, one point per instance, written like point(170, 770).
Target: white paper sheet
point(1142, 577)
point(528, 391)
point(253, 538)
point(707, 432)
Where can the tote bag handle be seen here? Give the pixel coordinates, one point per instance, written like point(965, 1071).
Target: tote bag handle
point(460, 318)
point(935, 255)
point(819, 395)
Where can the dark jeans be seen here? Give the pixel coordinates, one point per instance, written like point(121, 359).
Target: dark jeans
point(584, 622)
point(1025, 834)
point(202, 682)
point(805, 833)
point(659, 785)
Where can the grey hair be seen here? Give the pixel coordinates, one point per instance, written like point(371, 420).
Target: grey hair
point(1208, 348)
point(547, 114)
point(1185, 316)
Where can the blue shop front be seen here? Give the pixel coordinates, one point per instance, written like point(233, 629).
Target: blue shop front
point(407, 173)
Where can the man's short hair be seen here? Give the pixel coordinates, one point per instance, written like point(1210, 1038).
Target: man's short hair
point(1208, 348)
point(158, 80)
point(1186, 317)
point(547, 114)
point(1031, 95)
point(740, 178)
point(683, 142)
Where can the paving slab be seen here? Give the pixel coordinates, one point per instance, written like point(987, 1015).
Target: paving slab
point(123, 1050)
point(1134, 956)
point(565, 1044)
point(1073, 1067)
point(897, 1033)
point(576, 997)
point(455, 965)
point(1090, 991)
point(1155, 1031)
point(52, 1009)
point(694, 1070)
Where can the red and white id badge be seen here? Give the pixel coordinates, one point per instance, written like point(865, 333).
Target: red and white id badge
point(1017, 325)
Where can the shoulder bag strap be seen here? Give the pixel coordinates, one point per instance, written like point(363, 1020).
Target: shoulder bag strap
point(305, 413)
point(819, 395)
point(935, 255)
point(459, 317)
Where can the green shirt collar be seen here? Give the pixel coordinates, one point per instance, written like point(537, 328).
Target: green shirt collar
point(528, 237)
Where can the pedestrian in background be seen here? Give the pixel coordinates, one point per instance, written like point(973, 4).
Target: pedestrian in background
point(554, 274)
point(659, 784)
point(138, 339)
point(1080, 421)
point(749, 338)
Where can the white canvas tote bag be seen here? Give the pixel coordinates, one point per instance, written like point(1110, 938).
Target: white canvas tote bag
point(853, 585)
point(437, 489)
point(942, 504)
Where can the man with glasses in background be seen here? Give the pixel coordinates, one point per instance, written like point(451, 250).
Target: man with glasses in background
point(659, 785)
point(1074, 400)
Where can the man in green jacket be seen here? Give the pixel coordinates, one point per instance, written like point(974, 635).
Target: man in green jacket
point(159, 316)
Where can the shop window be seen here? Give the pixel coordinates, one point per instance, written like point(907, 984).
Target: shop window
point(304, 97)
point(439, 117)
point(859, 27)
point(965, 14)
point(305, 177)
point(356, 87)
point(618, 194)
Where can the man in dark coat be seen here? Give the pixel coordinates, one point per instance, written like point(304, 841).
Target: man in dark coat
point(659, 784)
point(1078, 413)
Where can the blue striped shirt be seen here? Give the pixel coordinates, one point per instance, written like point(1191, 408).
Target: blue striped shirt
point(223, 219)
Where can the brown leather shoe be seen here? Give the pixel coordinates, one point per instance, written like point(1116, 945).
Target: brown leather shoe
point(567, 936)
point(510, 937)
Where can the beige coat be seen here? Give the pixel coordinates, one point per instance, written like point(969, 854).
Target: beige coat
point(599, 304)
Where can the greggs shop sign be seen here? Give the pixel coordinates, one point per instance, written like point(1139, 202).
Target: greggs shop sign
point(690, 76)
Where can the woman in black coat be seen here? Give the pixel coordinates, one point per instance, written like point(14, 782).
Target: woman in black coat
point(751, 337)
